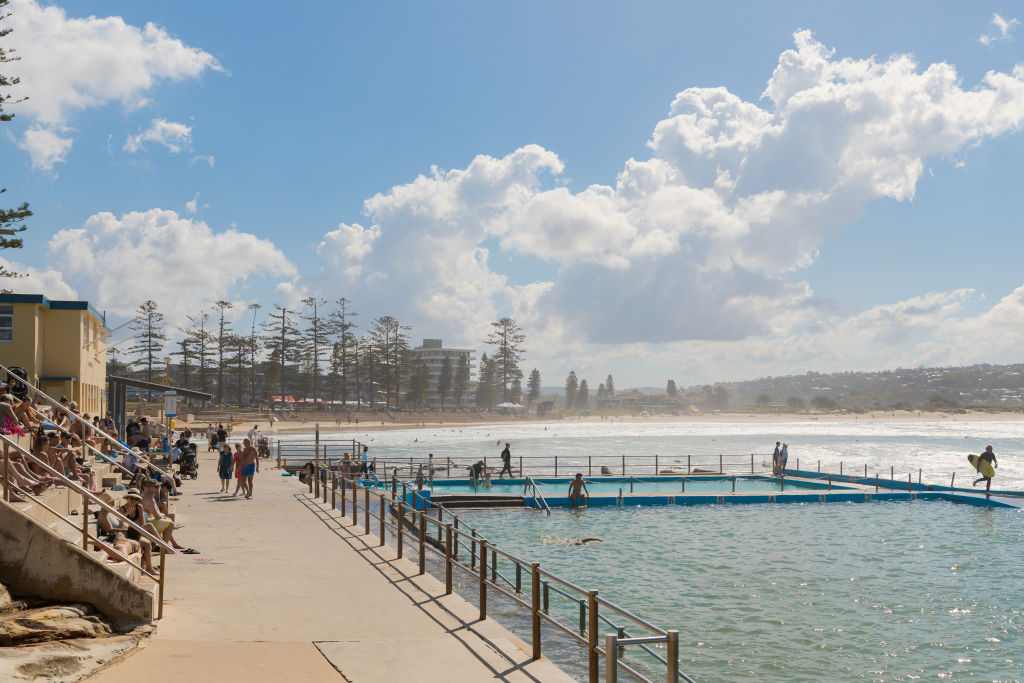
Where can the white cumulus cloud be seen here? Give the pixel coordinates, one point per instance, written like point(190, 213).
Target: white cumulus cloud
point(69, 64)
point(115, 262)
point(47, 281)
point(697, 242)
point(1004, 29)
point(171, 134)
point(45, 147)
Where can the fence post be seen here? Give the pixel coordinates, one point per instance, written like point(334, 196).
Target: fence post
point(278, 462)
point(440, 518)
point(952, 479)
point(85, 522)
point(455, 542)
point(830, 482)
point(840, 467)
point(611, 658)
point(316, 457)
point(535, 607)
point(343, 506)
point(910, 482)
point(383, 511)
point(366, 510)
point(656, 471)
point(892, 472)
point(519, 578)
point(401, 527)
point(472, 548)
point(819, 467)
point(325, 486)
point(876, 482)
point(720, 467)
point(919, 471)
point(483, 579)
point(687, 463)
point(520, 465)
point(752, 463)
point(448, 561)
point(334, 491)
point(547, 595)
point(590, 466)
point(423, 542)
point(556, 465)
point(355, 504)
point(623, 464)
point(672, 655)
point(160, 583)
point(865, 470)
point(592, 634)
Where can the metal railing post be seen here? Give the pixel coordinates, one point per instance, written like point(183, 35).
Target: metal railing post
point(366, 511)
point(910, 482)
point(623, 464)
point(520, 465)
point(672, 656)
point(830, 482)
point(472, 548)
point(556, 465)
point(160, 583)
point(865, 470)
point(892, 472)
point(687, 463)
point(590, 466)
point(720, 468)
point(334, 491)
point(494, 565)
point(455, 541)
point(7, 485)
point(355, 504)
point(325, 488)
point(85, 522)
point(655, 464)
point(448, 561)
point(483, 579)
point(611, 658)
point(876, 482)
point(592, 635)
point(535, 607)
point(440, 519)
point(952, 479)
point(519, 578)
point(401, 527)
point(343, 500)
point(547, 595)
point(383, 511)
point(278, 455)
point(752, 463)
point(423, 541)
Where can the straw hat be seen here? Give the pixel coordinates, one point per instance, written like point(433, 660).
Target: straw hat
point(106, 497)
point(134, 494)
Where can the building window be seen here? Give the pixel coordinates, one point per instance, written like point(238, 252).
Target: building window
point(6, 323)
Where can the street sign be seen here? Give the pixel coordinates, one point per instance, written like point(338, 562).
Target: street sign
point(171, 404)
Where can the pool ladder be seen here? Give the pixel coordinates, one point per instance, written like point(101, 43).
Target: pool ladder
point(529, 483)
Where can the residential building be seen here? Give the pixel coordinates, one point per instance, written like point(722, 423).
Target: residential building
point(432, 352)
point(62, 345)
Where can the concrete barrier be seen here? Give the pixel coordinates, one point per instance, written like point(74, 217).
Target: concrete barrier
point(37, 561)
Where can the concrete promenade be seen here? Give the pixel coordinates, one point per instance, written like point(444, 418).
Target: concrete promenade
point(284, 590)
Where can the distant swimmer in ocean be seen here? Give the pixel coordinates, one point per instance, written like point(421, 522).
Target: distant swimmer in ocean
point(986, 466)
point(578, 488)
point(572, 541)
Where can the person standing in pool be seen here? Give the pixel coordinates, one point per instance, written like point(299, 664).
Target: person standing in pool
point(506, 460)
point(783, 458)
point(578, 488)
point(775, 458)
point(990, 457)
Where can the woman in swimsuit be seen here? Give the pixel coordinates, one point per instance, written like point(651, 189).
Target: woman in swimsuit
point(236, 460)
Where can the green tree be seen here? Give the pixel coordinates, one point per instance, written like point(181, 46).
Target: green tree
point(533, 387)
point(419, 383)
point(487, 382)
point(508, 338)
point(390, 342)
point(462, 377)
point(445, 379)
point(223, 332)
point(609, 386)
point(280, 341)
point(670, 388)
point(314, 340)
point(253, 344)
point(571, 385)
point(201, 342)
point(343, 358)
point(583, 395)
point(795, 402)
point(12, 221)
point(601, 391)
point(763, 399)
point(516, 390)
point(186, 353)
point(148, 326)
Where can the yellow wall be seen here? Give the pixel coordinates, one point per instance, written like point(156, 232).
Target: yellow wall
point(49, 343)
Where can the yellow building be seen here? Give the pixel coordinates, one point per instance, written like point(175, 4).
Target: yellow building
point(62, 345)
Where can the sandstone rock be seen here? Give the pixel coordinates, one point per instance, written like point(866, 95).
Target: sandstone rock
point(43, 624)
point(64, 662)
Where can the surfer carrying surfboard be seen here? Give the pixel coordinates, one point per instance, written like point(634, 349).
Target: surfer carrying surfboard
point(986, 466)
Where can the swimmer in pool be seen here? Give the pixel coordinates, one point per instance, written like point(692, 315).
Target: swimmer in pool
point(577, 488)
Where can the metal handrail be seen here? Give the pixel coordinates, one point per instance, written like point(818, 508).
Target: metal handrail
point(89, 496)
point(536, 494)
point(497, 580)
point(56, 404)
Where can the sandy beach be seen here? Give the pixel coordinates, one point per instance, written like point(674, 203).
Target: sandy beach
point(393, 421)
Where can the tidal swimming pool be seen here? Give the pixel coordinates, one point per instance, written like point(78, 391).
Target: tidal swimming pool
point(893, 591)
point(597, 485)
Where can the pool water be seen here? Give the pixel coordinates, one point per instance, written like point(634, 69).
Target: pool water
point(840, 592)
point(550, 488)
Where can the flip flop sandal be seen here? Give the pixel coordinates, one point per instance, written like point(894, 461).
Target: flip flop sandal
point(190, 551)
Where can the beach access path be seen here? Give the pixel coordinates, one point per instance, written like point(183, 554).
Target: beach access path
point(284, 589)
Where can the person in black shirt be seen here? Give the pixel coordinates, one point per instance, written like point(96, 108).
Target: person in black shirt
point(506, 459)
point(990, 457)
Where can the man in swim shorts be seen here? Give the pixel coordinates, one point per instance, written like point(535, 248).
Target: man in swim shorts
point(988, 456)
point(577, 488)
point(250, 466)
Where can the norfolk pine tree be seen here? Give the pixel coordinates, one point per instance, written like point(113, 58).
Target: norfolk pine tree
point(223, 331)
point(571, 385)
point(508, 338)
point(148, 326)
point(533, 387)
point(462, 376)
point(583, 395)
point(11, 220)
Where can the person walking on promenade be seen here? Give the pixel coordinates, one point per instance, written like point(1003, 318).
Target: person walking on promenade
point(250, 466)
point(990, 457)
point(506, 463)
point(236, 461)
point(775, 457)
point(224, 470)
point(364, 465)
point(783, 458)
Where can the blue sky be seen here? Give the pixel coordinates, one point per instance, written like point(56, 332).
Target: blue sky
point(864, 214)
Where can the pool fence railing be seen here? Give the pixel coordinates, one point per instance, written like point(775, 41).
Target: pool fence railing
point(413, 518)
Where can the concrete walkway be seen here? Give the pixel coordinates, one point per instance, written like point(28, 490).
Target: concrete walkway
point(285, 590)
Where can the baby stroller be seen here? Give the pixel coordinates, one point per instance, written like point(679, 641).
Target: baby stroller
point(188, 465)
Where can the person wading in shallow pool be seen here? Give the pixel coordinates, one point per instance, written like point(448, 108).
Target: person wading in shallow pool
point(578, 488)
